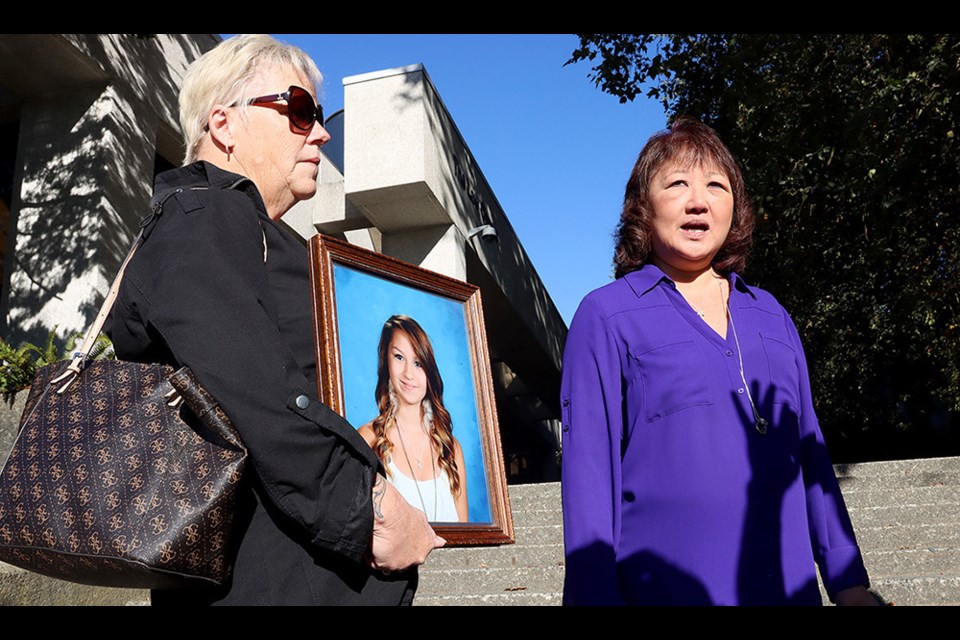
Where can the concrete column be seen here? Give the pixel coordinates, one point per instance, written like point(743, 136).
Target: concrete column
point(87, 158)
point(439, 248)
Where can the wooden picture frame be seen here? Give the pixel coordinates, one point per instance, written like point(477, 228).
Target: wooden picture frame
point(355, 291)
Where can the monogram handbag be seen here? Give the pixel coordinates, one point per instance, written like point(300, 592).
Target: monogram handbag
point(123, 474)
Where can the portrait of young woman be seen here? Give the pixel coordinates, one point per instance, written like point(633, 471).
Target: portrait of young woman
point(412, 434)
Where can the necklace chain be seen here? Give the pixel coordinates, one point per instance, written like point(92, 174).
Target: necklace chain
point(702, 311)
point(758, 422)
point(416, 483)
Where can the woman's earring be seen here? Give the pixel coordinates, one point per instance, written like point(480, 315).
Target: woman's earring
point(427, 413)
point(393, 398)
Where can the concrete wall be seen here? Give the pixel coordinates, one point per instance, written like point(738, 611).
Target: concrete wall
point(95, 110)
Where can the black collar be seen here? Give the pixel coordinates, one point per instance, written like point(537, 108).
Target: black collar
point(196, 174)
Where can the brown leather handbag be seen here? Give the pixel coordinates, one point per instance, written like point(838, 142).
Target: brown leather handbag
point(123, 474)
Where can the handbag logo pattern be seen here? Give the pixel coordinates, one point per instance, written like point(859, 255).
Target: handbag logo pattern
point(108, 484)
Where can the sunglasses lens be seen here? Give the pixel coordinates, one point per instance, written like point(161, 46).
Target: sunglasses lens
point(302, 110)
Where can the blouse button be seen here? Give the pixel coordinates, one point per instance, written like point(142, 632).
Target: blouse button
point(728, 352)
point(628, 496)
point(740, 390)
point(302, 402)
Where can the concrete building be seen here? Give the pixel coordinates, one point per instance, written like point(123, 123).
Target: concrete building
point(87, 121)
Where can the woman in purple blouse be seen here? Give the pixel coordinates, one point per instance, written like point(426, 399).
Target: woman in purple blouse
point(694, 470)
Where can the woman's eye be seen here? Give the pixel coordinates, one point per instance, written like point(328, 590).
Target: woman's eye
point(398, 357)
point(678, 183)
point(418, 364)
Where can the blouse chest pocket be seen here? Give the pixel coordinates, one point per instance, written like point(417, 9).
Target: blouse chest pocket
point(784, 380)
point(673, 378)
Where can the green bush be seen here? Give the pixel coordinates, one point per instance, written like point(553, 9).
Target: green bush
point(18, 365)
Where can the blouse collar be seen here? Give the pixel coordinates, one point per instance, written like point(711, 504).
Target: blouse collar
point(644, 279)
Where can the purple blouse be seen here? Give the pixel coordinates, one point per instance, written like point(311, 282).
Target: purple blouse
point(671, 495)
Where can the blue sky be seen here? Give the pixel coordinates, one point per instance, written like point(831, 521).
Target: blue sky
point(556, 150)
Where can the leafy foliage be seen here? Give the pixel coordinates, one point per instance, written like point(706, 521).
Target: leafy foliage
point(849, 146)
point(18, 365)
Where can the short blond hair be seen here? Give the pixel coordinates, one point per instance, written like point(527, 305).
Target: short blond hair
point(222, 75)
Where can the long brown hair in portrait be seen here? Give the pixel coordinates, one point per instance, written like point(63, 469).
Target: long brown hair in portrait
point(687, 142)
point(441, 428)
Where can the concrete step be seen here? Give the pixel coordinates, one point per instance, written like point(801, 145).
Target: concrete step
point(24, 588)
point(538, 517)
point(940, 591)
point(491, 581)
point(526, 500)
point(507, 556)
point(853, 486)
point(513, 599)
point(909, 469)
point(876, 480)
point(523, 496)
point(535, 505)
point(902, 496)
point(527, 573)
point(931, 512)
point(932, 562)
point(908, 536)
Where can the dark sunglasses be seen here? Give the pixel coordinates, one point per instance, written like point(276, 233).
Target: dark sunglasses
point(302, 111)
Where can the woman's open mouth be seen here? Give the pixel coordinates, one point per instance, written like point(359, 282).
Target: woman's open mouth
point(695, 229)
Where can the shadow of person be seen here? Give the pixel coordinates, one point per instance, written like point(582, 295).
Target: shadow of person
point(775, 464)
point(774, 467)
point(654, 581)
point(642, 579)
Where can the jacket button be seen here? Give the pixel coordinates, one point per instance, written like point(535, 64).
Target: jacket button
point(302, 402)
point(729, 352)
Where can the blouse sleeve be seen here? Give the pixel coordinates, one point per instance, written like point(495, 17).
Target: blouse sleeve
point(592, 405)
point(831, 533)
point(205, 291)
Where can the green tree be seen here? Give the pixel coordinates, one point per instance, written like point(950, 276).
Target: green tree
point(849, 147)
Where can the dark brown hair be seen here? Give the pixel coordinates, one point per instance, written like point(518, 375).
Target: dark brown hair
point(687, 142)
point(441, 427)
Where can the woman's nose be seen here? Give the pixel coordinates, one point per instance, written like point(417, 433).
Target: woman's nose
point(318, 135)
point(697, 201)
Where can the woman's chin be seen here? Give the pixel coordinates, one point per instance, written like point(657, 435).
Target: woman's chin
point(305, 192)
point(410, 400)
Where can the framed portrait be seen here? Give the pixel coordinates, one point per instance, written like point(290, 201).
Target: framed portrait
point(402, 355)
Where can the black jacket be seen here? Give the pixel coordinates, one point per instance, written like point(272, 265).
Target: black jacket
point(204, 291)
